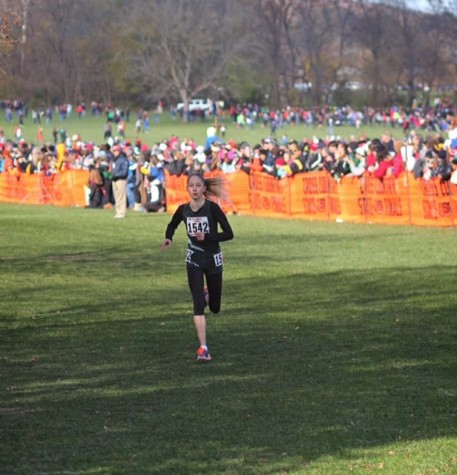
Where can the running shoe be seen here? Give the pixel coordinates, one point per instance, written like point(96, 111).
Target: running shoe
point(202, 355)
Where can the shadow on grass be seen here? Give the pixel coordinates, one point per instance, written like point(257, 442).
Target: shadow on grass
point(303, 369)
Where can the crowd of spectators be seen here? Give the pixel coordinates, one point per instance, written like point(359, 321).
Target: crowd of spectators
point(419, 117)
point(424, 151)
point(432, 118)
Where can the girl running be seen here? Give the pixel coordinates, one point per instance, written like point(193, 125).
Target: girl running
point(204, 257)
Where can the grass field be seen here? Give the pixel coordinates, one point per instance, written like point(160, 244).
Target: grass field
point(335, 351)
point(91, 129)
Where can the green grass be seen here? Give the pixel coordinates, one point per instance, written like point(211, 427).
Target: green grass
point(91, 129)
point(335, 351)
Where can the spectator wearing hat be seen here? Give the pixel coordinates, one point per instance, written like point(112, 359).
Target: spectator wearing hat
point(199, 163)
point(119, 172)
point(356, 158)
point(229, 162)
point(316, 155)
point(213, 160)
point(268, 145)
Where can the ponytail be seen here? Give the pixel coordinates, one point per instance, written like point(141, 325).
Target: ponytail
point(216, 186)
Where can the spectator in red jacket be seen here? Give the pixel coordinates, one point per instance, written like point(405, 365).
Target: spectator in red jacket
point(385, 162)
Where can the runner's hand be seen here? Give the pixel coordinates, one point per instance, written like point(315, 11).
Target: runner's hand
point(166, 244)
point(200, 235)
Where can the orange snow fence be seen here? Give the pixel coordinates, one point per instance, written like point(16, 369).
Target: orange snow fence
point(310, 196)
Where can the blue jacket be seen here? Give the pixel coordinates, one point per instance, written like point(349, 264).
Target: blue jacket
point(120, 168)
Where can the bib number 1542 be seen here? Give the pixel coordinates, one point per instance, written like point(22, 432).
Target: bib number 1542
point(195, 225)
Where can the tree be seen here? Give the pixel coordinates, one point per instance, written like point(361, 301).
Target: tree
point(145, 50)
point(314, 36)
point(406, 36)
point(374, 30)
point(183, 49)
point(444, 13)
point(11, 24)
point(69, 57)
point(277, 45)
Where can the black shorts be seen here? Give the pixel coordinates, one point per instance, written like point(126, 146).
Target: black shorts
point(209, 263)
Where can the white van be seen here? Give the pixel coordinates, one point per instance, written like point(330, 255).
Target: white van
point(196, 104)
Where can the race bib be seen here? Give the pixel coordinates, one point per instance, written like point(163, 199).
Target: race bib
point(197, 224)
point(189, 256)
point(218, 259)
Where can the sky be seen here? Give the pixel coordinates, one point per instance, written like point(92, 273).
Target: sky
point(416, 4)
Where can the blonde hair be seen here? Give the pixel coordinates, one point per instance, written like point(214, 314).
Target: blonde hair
point(216, 186)
point(398, 145)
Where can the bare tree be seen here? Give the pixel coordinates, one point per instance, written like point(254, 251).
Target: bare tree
point(444, 13)
point(14, 26)
point(316, 39)
point(10, 40)
point(24, 14)
point(444, 6)
point(145, 50)
point(69, 56)
point(277, 34)
point(10, 23)
point(408, 47)
point(374, 34)
point(438, 46)
point(51, 57)
point(183, 48)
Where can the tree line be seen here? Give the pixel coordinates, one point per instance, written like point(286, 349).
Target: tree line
point(274, 52)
